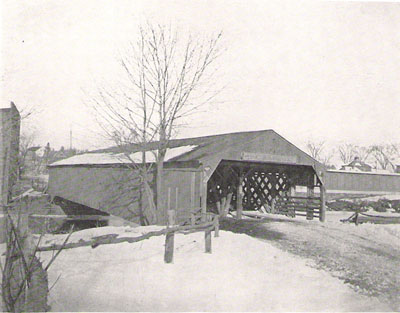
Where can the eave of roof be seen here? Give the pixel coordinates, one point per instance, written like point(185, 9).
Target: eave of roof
point(208, 150)
point(179, 142)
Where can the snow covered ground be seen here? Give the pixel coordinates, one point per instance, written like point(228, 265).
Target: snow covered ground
point(242, 274)
point(278, 264)
point(394, 196)
point(366, 257)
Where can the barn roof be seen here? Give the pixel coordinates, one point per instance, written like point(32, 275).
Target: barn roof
point(264, 145)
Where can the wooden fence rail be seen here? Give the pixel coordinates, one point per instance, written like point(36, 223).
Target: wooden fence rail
point(211, 225)
point(299, 206)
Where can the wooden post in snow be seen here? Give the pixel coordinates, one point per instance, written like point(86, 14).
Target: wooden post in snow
point(239, 196)
point(322, 211)
point(207, 239)
point(216, 226)
point(169, 247)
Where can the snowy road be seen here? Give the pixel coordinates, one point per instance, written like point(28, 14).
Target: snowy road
point(367, 257)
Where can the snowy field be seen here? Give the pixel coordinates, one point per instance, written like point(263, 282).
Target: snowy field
point(242, 274)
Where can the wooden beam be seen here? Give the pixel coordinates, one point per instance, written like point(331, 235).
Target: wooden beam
point(310, 210)
point(203, 197)
point(322, 212)
point(270, 167)
point(193, 190)
point(239, 195)
point(292, 193)
point(227, 204)
point(224, 188)
point(234, 172)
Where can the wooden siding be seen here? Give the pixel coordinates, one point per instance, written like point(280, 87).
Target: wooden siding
point(182, 188)
point(106, 187)
point(353, 182)
point(114, 189)
point(9, 149)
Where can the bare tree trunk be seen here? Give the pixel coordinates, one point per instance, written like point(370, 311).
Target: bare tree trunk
point(152, 207)
point(161, 211)
point(167, 81)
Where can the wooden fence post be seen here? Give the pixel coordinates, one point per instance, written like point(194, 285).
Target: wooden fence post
point(291, 211)
point(310, 210)
point(169, 247)
point(322, 211)
point(192, 218)
point(216, 226)
point(171, 217)
point(207, 238)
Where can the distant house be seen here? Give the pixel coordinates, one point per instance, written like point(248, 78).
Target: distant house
point(394, 166)
point(32, 154)
point(357, 165)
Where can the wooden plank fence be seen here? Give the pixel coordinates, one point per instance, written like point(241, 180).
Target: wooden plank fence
point(309, 207)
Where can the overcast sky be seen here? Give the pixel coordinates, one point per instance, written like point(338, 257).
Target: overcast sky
point(308, 70)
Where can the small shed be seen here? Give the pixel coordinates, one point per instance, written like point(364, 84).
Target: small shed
point(230, 172)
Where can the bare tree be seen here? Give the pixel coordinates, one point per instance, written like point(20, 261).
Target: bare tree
point(347, 152)
point(24, 285)
point(384, 155)
point(166, 78)
point(26, 141)
point(362, 152)
point(319, 152)
point(315, 148)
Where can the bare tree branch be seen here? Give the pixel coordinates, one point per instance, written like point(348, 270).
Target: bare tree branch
point(164, 80)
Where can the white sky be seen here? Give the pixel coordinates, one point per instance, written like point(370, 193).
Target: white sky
point(308, 70)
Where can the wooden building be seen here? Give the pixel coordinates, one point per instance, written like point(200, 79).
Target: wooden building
point(9, 149)
point(236, 171)
point(339, 182)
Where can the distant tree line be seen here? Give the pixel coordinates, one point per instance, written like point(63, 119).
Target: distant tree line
point(380, 157)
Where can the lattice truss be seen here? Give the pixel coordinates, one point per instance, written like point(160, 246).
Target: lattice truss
point(261, 187)
point(220, 184)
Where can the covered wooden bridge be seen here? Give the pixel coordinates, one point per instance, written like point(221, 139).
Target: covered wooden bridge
point(236, 172)
point(265, 187)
